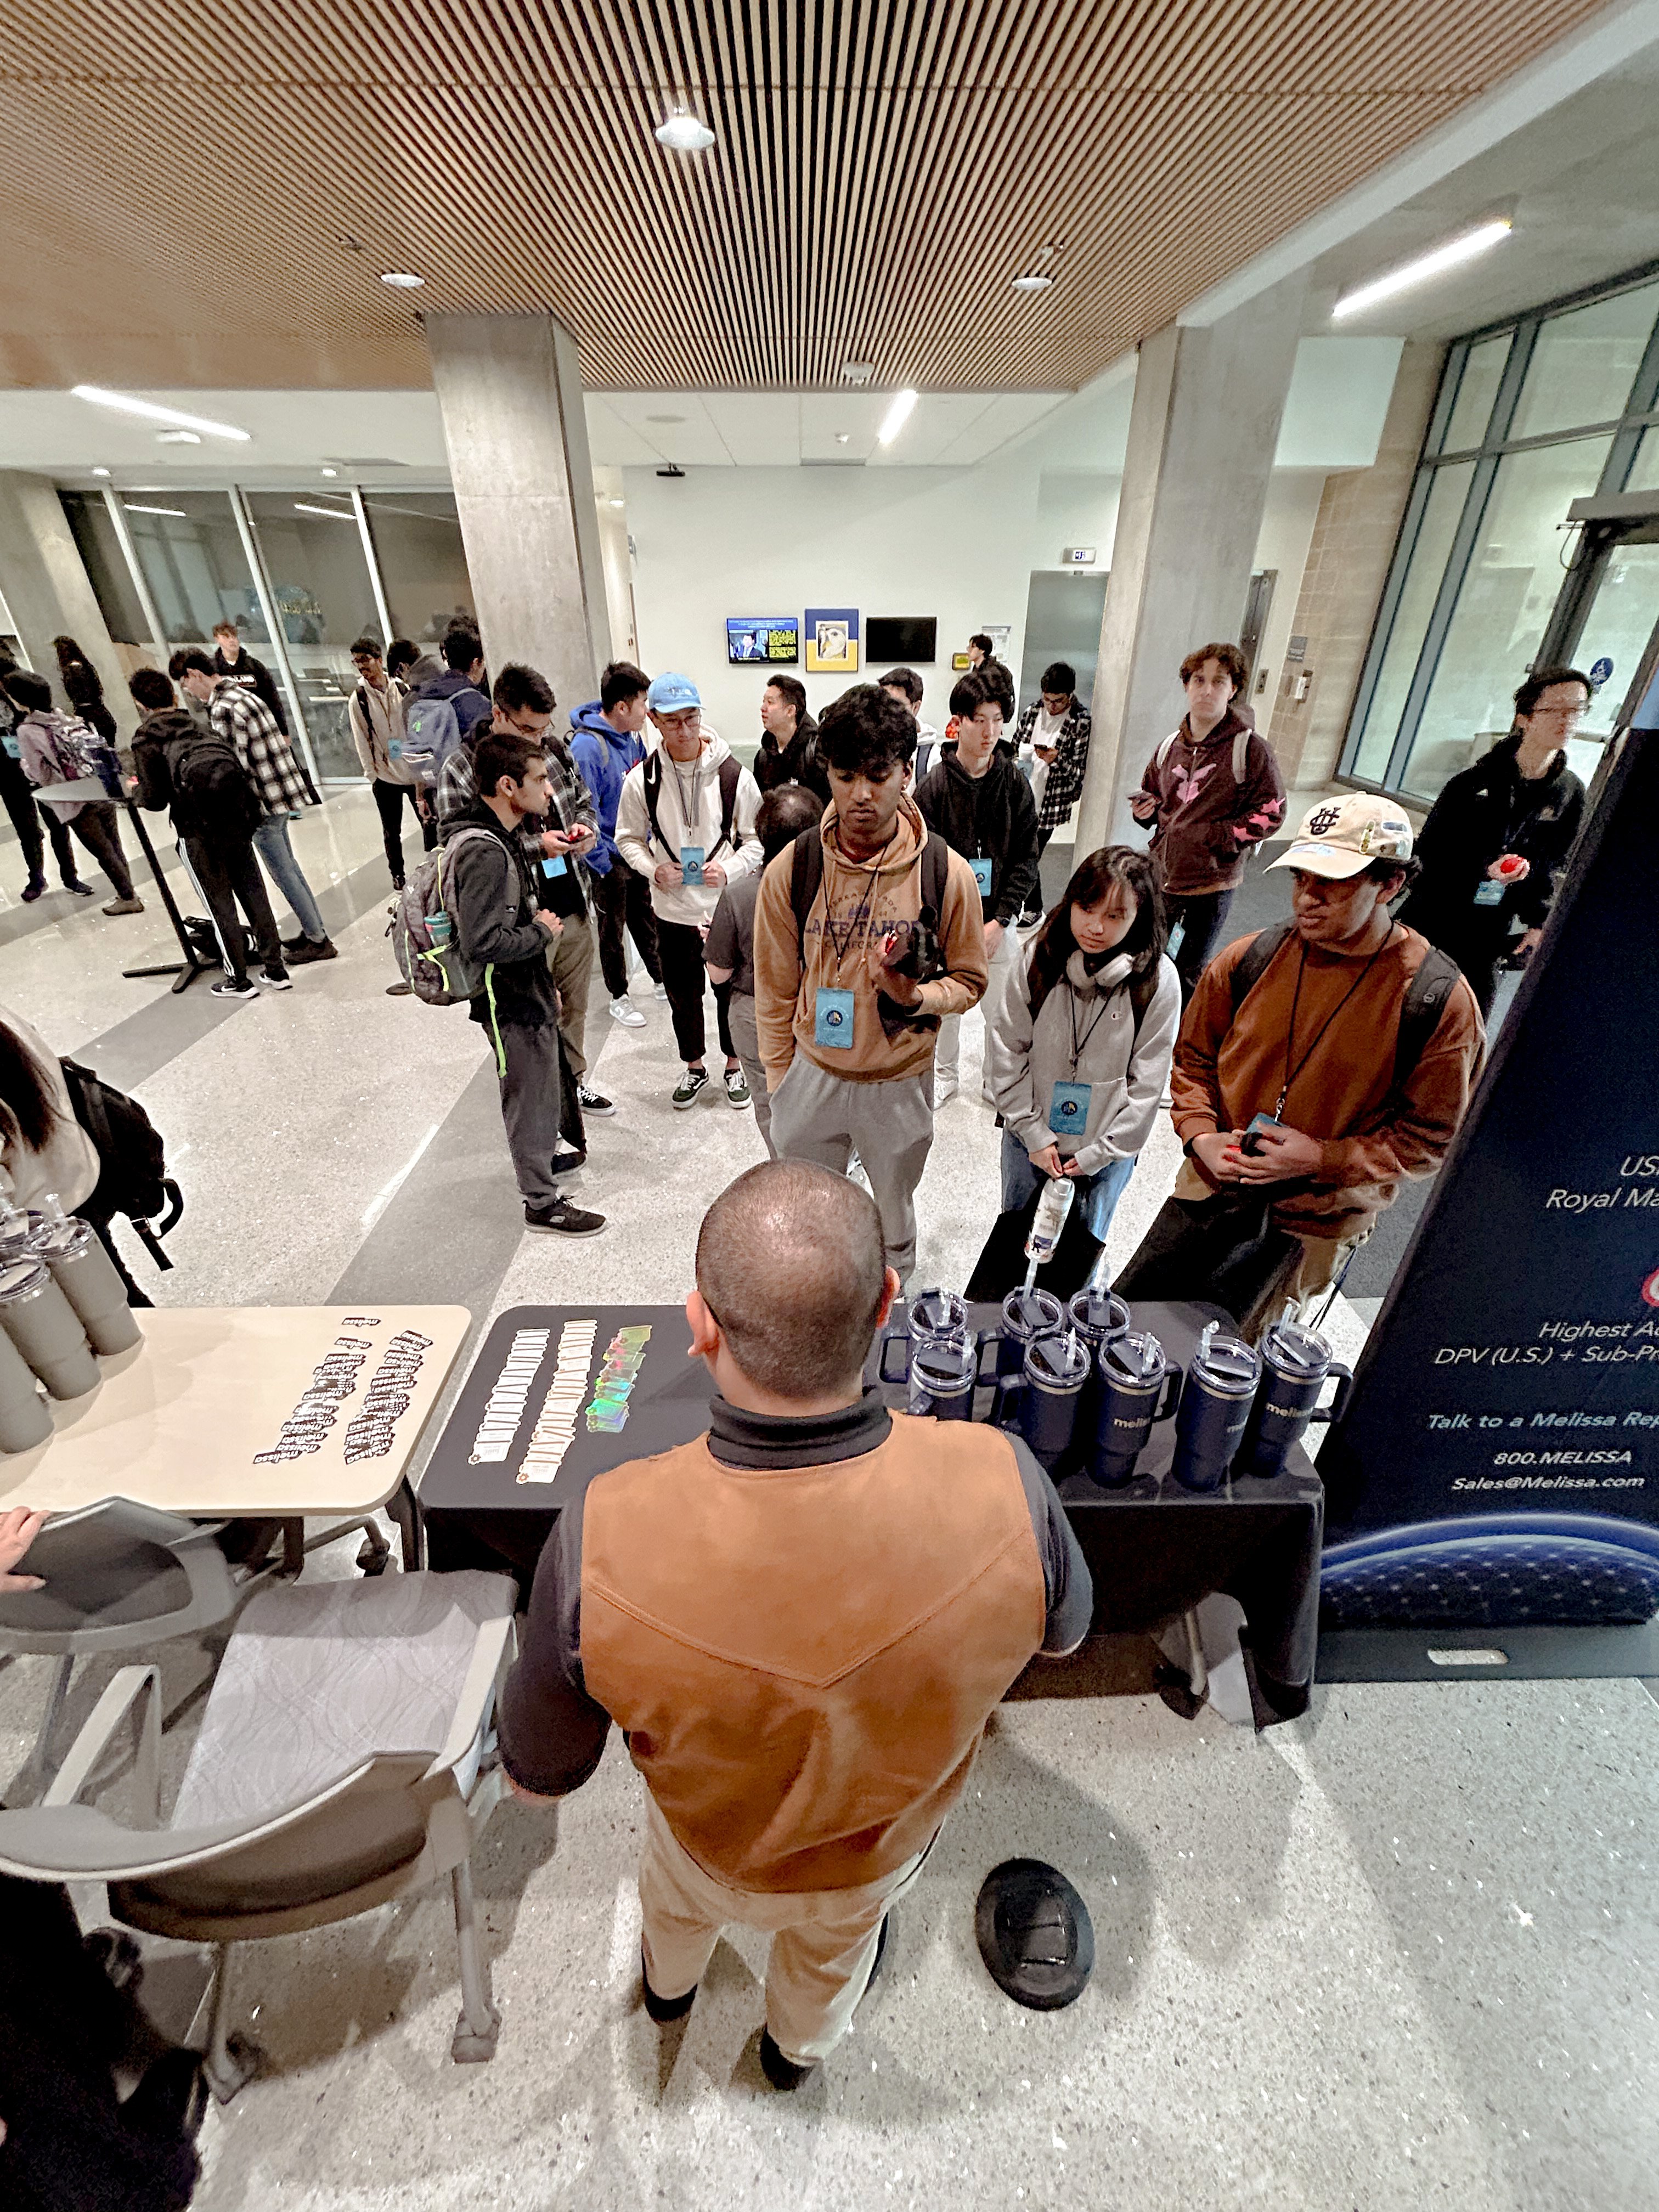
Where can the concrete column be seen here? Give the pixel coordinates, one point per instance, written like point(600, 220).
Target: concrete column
point(44, 583)
point(510, 393)
point(1202, 433)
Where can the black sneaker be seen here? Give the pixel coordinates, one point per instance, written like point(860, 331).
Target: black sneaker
point(689, 1088)
point(234, 987)
point(276, 979)
point(561, 1218)
point(567, 1162)
point(592, 1102)
point(35, 888)
point(301, 954)
point(74, 883)
point(664, 2010)
point(782, 2073)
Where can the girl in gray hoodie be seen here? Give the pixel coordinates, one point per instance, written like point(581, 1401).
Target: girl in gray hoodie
point(1080, 1048)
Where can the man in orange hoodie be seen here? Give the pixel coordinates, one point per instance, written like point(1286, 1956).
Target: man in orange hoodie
point(867, 934)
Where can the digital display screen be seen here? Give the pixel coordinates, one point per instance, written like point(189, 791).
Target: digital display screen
point(901, 640)
point(756, 638)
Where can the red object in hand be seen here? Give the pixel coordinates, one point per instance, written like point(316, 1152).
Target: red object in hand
point(1510, 864)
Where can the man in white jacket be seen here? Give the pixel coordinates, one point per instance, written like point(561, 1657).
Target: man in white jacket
point(685, 822)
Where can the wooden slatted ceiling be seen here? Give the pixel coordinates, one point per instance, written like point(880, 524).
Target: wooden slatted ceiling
point(182, 175)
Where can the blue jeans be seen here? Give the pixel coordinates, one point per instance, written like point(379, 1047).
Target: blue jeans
point(1096, 1194)
point(270, 843)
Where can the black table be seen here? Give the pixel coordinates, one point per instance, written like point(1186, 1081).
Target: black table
point(1154, 1549)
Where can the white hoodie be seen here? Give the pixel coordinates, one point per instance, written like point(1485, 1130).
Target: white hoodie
point(688, 813)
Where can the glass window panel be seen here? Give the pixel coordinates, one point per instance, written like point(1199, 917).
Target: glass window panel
point(1477, 387)
point(1644, 469)
point(1505, 602)
point(313, 555)
point(417, 542)
point(191, 551)
point(107, 569)
point(1428, 565)
point(1583, 363)
point(1617, 628)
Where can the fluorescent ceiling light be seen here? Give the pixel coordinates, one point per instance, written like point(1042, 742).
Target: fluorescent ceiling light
point(897, 417)
point(686, 134)
point(402, 280)
point(331, 472)
point(177, 512)
point(178, 438)
point(124, 404)
point(856, 372)
point(1450, 256)
point(1034, 282)
point(334, 513)
point(100, 472)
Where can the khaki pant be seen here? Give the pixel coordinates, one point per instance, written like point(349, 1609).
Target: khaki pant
point(1299, 1291)
point(570, 956)
point(823, 1941)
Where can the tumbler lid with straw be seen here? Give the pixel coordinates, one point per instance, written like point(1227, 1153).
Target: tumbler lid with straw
point(17, 1228)
point(1059, 1361)
point(1097, 1311)
point(938, 1313)
point(1302, 1350)
point(1136, 1357)
point(53, 1232)
point(1033, 1312)
point(22, 1278)
point(1226, 1361)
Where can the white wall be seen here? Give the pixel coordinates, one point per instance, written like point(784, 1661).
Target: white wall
point(1287, 528)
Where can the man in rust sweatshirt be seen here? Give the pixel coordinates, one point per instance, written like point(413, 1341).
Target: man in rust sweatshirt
point(1211, 790)
point(802, 1620)
point(868, 932)
point(1324, 1041)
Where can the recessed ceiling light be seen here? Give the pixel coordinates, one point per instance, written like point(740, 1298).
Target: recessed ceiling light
point(685, 133)
point(1445, 257)
point(100, 472)
point(896, 416)
point(331, 472)
point(617, 502)
point(842, 437)
point(334, 513)
point(1034, 281)
point(857, 372)
point(124, 403)
point(177, 512)
point(178, 438)
point(402, 280)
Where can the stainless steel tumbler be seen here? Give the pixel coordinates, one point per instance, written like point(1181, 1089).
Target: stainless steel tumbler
point(1051, 1390)
point(43, 1325)
point(943, 1372)
point(1215, 1409)
point(1296, 1364)
point(25, 1418)
point(86, 1275)
point(1138, 1386)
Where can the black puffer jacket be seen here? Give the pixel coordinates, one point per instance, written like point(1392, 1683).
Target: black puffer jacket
point(991, 817)
point(796, 763)
point(1490, 808)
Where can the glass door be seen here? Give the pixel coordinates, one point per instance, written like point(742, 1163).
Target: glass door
point(1606, 631)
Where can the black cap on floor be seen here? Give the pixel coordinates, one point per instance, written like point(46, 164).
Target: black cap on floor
point(1034, 1935)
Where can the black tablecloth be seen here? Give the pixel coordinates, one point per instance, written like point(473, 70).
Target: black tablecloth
point(1153, 1549)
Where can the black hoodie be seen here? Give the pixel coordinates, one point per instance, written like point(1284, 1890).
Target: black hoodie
point(152, 760)
point(991, 817)
point(492, 902)
point(1489, 810)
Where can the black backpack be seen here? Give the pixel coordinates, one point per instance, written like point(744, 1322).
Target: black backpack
point(729, 770)
point(214, 785)
point(1419, 1016)
point(133, 1177)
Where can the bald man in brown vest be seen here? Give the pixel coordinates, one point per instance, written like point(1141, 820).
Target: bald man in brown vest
point(802, 1620)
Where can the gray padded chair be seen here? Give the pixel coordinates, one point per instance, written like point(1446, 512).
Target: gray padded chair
point(119, 1577)
point(346, 1757)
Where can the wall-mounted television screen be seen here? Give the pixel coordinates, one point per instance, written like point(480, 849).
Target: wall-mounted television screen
point(750, 638)
point(901, 640)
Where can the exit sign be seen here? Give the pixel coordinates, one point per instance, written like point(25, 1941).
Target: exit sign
point(1079, 556)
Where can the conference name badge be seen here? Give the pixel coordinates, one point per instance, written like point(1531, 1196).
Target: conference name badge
point(553, 866)
point(1489, 891)
point(394, 748)
point(1068, 1108)
point(982, 877)
point(691, 864)
point(832, 1024)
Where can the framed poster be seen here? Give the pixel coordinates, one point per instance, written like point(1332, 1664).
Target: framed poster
point(832, 640)
point(959, 662)
point(774, 638)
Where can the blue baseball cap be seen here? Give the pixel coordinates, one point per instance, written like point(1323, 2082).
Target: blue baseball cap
point(672, 695)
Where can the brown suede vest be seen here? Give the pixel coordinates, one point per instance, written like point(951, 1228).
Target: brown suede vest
point(805, 1659)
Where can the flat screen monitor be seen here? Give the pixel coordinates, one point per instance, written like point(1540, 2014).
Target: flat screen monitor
point(901, 640)
point(753, 639)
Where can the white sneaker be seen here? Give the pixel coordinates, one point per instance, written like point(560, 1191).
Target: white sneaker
point(660, 994)
point(945, 1087)
point(624, 1011)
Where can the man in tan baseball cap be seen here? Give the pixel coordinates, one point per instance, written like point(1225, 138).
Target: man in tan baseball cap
point(1348, 1040)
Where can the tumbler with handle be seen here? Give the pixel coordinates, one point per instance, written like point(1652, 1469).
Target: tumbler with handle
point(1296, 1365)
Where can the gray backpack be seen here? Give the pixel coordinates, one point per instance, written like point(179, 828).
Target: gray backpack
point(436, 973)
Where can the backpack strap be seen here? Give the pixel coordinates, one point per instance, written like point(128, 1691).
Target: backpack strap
point(1143, 989)
point(1257, 957)
point(935, 874)
point(652, 785)
point(1419, 1016)
point(805, 881)
point(1241, 756)
point(1164, 750)
point(729, 770)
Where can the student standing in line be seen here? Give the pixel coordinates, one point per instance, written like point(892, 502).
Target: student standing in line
point(555, 849)
point(857, 957)
point(503, 930)
point(376, 715)
point(214, 811)
point(906, 686)
point(1052, 747)
point(685, 822)
point(804, 1700)
point(237, 665)
point(983, 660)
point(605, 744)
point(52, 749)
point(457, 686)
point(730, 949)
point(789, 739)
point(1079, 1047)
point(27, 815)
point(83, 688)
point(978, 801)
point(239, 715)
point(1211, 790)
point(1498, 836)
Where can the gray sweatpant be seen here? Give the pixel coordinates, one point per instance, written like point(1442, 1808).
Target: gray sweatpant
point(530, 1107)
point(825, 1118)
point(745, 1042)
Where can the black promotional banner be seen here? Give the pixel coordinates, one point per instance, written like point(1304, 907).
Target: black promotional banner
point(1498, 1462)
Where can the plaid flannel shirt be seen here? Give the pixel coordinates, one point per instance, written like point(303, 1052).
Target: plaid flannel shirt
point(242, 718)
point(571, 802)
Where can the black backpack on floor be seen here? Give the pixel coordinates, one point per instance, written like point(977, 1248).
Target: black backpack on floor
point(133, 1177)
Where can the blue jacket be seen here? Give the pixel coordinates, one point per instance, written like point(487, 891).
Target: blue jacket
point(604, 758)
